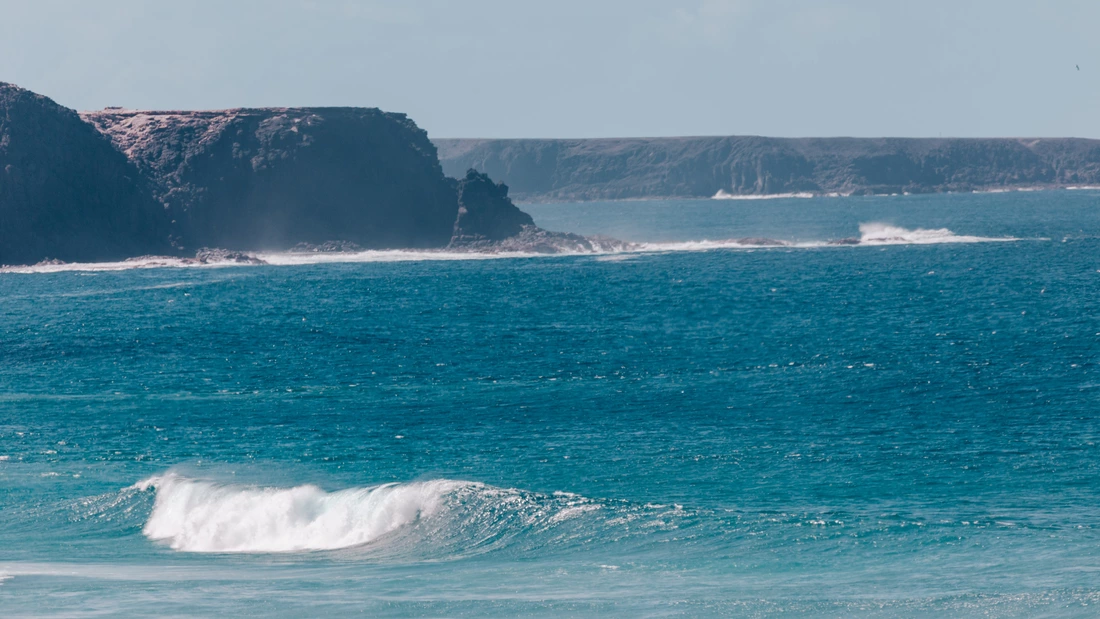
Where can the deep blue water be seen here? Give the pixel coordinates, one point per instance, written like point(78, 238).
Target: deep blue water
point(875, 431)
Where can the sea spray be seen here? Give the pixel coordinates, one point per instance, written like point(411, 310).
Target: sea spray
point(876, 233)
point(202, 516)
point(870, 234)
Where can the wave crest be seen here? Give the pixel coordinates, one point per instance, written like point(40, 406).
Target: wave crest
point(875, 233)
point(431, 519)
point(201, 516)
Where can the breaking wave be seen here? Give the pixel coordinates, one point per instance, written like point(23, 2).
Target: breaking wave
point(145, 262)
point(200, 516)
point(433, 519)
point(886, 234)
point(725, 195)
point(870, 234)
point(265, 258)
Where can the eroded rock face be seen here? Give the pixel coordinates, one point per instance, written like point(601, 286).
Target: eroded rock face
point(65, 192)
point(485, 213)
point(601, 169)
point(251, 179)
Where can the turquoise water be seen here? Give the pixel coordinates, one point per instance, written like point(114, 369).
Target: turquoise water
point(895, 430)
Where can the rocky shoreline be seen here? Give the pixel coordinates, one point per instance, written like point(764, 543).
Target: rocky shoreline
point(119, 184)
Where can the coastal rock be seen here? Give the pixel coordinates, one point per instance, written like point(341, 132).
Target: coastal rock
point(534, 240)
point(484, 211)
point(270, 178)
point(701, 167)
point(758, 241)
point(65, 192)
point(328, 247)
point(488, 221)
point(209, 255)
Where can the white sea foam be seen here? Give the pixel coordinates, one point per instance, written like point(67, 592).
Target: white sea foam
point(573, 511)
point(873, 234)
point(724, 195)
point(201, 516)
point(1024, 189)
point(149, 262)
point(886, 234)
point(705, 245)
point(870, 234)
point(279, 259)
point(392, 255)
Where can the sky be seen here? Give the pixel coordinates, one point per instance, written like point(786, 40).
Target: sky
point(584, 68)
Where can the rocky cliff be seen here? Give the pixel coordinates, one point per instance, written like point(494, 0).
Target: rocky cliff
point(601, 169)
point(115, 184)
point(65, 192)
point(250, 179)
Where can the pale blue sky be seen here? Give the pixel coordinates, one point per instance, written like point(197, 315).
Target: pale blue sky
point(583, 68)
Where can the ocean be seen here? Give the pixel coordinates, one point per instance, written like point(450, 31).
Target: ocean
point(906, 427)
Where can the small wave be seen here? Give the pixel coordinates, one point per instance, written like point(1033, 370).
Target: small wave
point(148, 262)
point(395, 255)
point(617, 257)
point(705, 245)
point(873, 234)
point(724, 195)
point(886, 234)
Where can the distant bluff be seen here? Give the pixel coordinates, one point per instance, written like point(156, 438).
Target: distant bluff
point(630, 168)
point(65, 192)
point(114, 184)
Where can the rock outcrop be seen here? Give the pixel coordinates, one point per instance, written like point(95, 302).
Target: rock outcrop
point(488, 221)
point(65, 192)
point(117, 184)
point(534, 240)
point(485, 213)
point(602, 169)
point(251, 179)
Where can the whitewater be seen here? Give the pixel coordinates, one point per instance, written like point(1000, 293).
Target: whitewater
point(198, 516)
point(445, 516)
point(871, 234)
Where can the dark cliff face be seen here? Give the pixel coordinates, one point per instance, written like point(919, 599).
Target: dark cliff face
point(484, 211)
point(700, 167)
point(65, 192)
point(270, 178)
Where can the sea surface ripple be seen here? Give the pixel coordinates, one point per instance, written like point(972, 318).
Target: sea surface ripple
point(906, 428)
